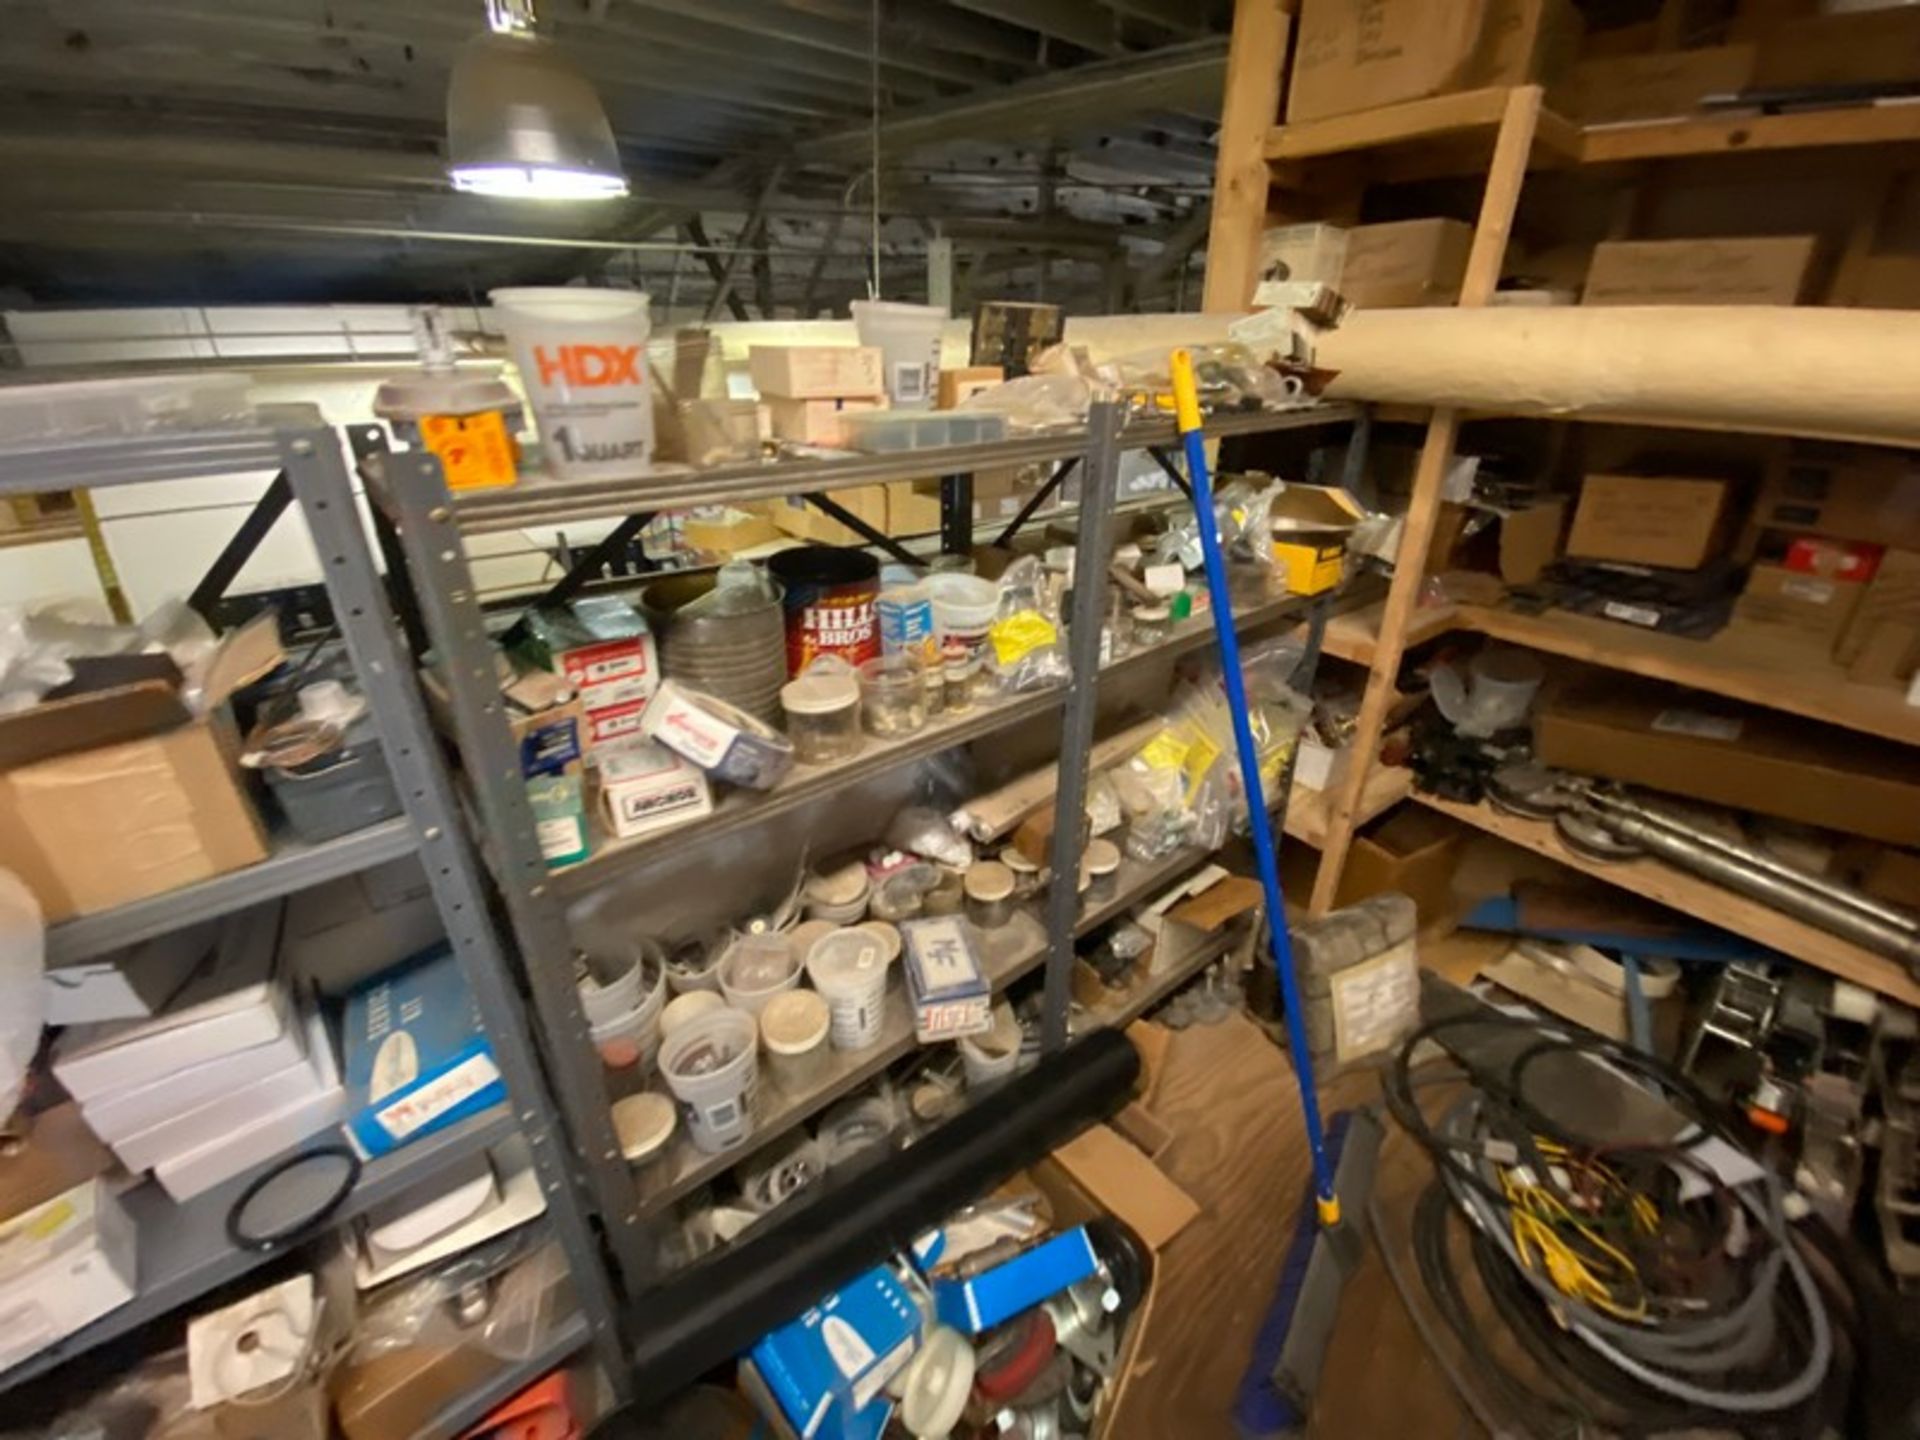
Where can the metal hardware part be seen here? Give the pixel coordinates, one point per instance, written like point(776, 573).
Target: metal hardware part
point(1586, 834)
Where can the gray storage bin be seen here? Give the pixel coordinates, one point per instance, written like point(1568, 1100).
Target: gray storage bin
point(346, 790)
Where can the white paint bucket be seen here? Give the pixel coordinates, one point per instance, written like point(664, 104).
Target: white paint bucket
point(582, 356)
point(908, 338)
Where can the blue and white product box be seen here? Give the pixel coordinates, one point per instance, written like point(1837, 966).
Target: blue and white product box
point(417, 1057)
point(994, 1296)
point(828, 1369)
point(951, 996)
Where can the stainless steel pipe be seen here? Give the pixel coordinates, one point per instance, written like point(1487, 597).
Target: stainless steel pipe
point(1611, 805)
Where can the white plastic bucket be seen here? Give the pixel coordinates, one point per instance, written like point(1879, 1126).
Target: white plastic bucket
point(908, 337)
point(712, 1065)
point(963, 609)
point(582, 356)
point(629, 1037)
point(849, 969)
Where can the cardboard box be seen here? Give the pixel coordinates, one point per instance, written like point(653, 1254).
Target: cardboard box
point(1792, 610)
point(1865, 48)
point(1885, 282)
point(1891, 654)
point(1607, 89)
point(964, 383)
point(553, 749)
point(1530, 541)
point(1594, 998)
point(63, 1265)
point(1311, 524)
point(1853, 561)
point(910, 511)
point(127, 984)
point(730, 529)
point(1361, 54)
point(945, 980)
point(1892, 599)
point(828, 1368)
point(817, 372)
point(600, 645)
point(1193, 913)
point(1849, 493)
point(817, 422)
point(793, 515)
point(1746, 756)
point(118, 793)
point(1312, 254)
point(1125, 1181)
point(1673, 522)
point(649, 788)
point(1769, 270)
point(1412, 852)
point(426, 1010)
point(1406, 262)
point(994, 1296)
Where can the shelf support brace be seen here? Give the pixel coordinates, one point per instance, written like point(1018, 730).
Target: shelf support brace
point(1039, 498)
point(1090, 552)
point(834, 510)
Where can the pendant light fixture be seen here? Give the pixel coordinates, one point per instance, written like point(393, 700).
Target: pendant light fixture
point(523, 123)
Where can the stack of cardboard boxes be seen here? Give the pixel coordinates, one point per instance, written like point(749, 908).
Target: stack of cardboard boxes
point(807, 392)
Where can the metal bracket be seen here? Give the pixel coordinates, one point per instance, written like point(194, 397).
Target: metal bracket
point(234, 555)
point(1040, 497)
point(1171, 470)
point(834, 510)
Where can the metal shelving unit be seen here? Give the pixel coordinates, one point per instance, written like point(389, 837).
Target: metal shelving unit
point(182, 1249)
point(422, 529)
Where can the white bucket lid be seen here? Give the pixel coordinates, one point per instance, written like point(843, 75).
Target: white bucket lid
point(886, 933)
point(644, 1123)
point(1103, 857)
point(794, 1023)
point(988, 881)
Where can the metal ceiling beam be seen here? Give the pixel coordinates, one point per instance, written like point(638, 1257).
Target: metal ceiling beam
point(1093, 96)
point(1183, 17)
point(1077, 22)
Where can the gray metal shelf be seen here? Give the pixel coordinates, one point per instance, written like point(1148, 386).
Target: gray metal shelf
point(569, 1336)
point(743, 809)
point(182, 1250)
point(544, 500)
point(159, 455)
point(293, 865)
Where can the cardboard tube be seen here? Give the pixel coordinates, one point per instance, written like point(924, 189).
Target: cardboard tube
point(1828, 373)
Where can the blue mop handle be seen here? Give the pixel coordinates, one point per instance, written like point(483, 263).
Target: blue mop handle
point(1187, 414)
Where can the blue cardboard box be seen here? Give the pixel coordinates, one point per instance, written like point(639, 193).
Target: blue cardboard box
point(985, 1300)
point(417, 1057)
point(827, 1370)
point(945, 979)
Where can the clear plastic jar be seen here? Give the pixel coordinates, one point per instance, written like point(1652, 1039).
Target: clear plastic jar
point(1151, 625)
point(960, 669)
point(823, 713)
point(893, 695)
point(1103, 870)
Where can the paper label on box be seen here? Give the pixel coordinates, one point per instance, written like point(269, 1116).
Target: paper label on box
point(909, 383)
point(1699, 724)
point(1631, 614)
point(422, 1107)
point(1813, 592)
point(559, 839)
point(701, 737)
point(1374, 1003)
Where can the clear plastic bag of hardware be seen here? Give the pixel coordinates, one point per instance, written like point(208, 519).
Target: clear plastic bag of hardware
point(1026, 649)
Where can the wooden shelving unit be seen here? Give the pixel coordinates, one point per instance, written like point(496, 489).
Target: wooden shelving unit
point(1272, 174)
point(1701, 899)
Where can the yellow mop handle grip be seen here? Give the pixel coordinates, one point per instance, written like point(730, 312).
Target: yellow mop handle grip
point(1186, 395)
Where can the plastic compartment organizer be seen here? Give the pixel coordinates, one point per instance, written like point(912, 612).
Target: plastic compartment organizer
point(881, 432)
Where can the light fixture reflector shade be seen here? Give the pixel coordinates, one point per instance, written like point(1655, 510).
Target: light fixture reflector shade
point(523, 123)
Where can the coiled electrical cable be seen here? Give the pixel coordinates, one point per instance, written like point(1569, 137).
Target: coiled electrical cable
point(1664, 1301)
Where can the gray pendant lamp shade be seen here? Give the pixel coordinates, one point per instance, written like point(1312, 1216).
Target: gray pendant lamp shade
point(523, 123)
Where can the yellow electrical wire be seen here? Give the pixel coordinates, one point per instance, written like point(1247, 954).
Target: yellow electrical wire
point(1545, 1232)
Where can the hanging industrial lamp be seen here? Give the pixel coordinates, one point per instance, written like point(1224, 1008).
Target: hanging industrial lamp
point(522, 123)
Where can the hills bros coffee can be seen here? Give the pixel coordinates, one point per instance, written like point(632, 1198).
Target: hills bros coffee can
point(830, 594)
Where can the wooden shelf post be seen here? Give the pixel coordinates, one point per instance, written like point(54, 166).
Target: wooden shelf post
point(1505, 178)
point(1256, 68)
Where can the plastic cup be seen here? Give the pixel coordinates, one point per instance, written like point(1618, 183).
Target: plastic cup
point(908, 338)
point(582, 357)
point(991, 1058)
point(712, 1065)
point(849, 969)
point(631, 1037)
point(963, 611)
point(755, 969)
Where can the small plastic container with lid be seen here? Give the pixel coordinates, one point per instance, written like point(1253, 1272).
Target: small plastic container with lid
point(643, 1123)
point(898, 897)
point(946, 896)
point(1152, 624)
point(713, 1067)
point(823, 712)
point(993, 1056)
point(838, 895)
point(849, 969)
point(755, 969)
point(1103, 870)
point(690, 1006)
point(961, 672)
point(793, 1029)
point(893, 695)
point(990, 894)
point(1029, 879)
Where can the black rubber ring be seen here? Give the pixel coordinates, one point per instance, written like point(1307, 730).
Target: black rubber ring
point(277, 1238)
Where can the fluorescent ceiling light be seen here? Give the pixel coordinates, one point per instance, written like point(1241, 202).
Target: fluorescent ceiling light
point(523, 124)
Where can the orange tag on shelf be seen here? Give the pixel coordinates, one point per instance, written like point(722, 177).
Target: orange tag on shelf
point(476, 451)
